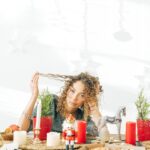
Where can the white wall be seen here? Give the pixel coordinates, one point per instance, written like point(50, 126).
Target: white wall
point(107, 38)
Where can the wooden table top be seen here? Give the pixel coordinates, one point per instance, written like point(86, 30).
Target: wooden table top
point(94, 144)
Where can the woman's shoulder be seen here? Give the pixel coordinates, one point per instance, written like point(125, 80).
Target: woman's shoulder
point(54, 98)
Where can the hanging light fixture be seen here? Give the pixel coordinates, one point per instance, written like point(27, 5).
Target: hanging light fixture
point(86, 62)
point(122, 34)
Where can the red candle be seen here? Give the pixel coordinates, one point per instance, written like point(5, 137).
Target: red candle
point(131, 132)
point(81, 132)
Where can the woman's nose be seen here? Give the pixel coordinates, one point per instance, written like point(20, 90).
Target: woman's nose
point(74, 97)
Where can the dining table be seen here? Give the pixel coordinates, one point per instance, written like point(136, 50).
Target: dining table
point(92, 143)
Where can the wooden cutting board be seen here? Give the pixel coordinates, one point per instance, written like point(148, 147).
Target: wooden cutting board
point(42, 146)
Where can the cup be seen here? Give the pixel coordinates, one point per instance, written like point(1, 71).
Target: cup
point(19, 137)
point(81, 131)
point(131, 132)
point(53, 139)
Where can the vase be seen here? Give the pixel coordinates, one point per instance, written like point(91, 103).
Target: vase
point(143, 129)
point(45, 126)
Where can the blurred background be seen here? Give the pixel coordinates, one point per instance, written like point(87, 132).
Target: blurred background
point(108, 38)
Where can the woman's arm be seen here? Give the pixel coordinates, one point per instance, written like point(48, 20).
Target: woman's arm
point(93, 106)
point(25, 117)
point(93, 120)
point(94, 113)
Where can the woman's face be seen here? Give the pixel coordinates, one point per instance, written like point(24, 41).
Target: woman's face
point(75, 96)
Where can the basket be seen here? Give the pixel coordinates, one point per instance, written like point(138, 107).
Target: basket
point(143, 130)
point(7, 136)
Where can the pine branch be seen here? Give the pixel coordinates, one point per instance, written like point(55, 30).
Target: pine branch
point(46, 99)
point(143, 106)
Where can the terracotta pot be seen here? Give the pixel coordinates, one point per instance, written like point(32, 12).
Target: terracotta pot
point(45, 125)
point(143, 130)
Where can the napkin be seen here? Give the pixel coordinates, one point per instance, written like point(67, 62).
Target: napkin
point(10, 146)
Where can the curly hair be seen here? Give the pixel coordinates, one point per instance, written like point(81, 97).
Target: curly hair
point(92, 88)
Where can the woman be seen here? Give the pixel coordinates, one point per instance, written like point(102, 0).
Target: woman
point(78, 97)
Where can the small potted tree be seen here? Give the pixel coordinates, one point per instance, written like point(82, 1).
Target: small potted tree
point(143, 120)
point(46, 120)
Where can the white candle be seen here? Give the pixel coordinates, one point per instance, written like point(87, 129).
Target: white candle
point(19, 137)
point(38, 115)
point(53, 139)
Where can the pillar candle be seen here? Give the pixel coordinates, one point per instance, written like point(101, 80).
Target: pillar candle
point(19, 137)
point(131, 132)
point(53, 139)
point(81, 132)
point(38, 115)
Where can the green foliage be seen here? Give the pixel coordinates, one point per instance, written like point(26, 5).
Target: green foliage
point(46, 100)
point(143, 106)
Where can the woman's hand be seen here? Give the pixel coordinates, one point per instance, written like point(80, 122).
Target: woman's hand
point(94, 112)
point(34, 85)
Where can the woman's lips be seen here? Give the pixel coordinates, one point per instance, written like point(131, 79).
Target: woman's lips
point(72, 104)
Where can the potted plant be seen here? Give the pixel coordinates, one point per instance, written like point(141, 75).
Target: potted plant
point(143, 120)
point(46, 120)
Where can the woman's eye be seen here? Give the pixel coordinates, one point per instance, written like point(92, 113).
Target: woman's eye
point(82, 95)
point(72, 91)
